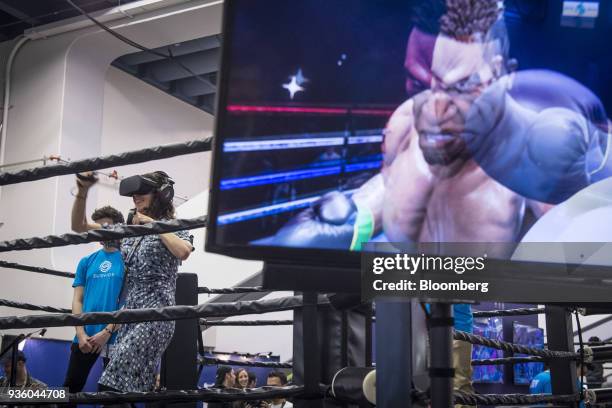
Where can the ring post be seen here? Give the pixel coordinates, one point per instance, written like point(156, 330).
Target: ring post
point(560, 337)
point(393, 354)
point(441, 371)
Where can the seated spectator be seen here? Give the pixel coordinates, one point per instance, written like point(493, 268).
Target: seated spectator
point(277, 379)
point(225, 378)
point(242, 379)
point(23, 378)
point(252, 380)
point(594, 376)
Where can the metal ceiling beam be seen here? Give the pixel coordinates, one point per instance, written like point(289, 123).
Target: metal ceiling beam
point(187, 47)
point(18, 14)
point(200, 63)
point(194, 87)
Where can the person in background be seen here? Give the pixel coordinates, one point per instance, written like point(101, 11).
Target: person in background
point(252, 380)
point(541, 383)
point(594, 375)
point(224, 379)
point(277, 379)
point(97, 285)
point(23, 379)
point(242, 379)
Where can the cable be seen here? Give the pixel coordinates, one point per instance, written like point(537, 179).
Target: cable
point(136, 45)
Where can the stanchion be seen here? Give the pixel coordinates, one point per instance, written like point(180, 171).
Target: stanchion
point(441, 371)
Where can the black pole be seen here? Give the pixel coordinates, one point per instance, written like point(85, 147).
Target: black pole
point(312, 368)
point(441, 371)
point(394, 360)
point(560, 337)
point(15, 349)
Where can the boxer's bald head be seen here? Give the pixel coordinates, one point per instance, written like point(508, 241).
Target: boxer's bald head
point(468, 56)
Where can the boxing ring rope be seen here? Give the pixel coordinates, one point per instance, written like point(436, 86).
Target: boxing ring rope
point(118, 232)
point(158, 314)
point(37, 269)
point(103, 162)
point(513, 348)
point(465, 398)
point(508, 360)
point(203, 360)
point(207, 395)
point(297, 392)
point(29, 306)
point(226, 291)
point(206, 323)
point(509, 312)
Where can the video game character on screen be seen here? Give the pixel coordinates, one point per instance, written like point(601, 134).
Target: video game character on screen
point(478, 152)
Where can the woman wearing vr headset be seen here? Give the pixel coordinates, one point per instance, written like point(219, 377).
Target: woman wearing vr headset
point(151, 266)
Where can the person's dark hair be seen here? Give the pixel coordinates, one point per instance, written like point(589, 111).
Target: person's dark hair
point(221, 373)
point(426, 15)
point(252, 376)
point(278, 374)
point(465, 18)
point(159, 210)
point(594, 340)
point(8, 357)
point(108, 212)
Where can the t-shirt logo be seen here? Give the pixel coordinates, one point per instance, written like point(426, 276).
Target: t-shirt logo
point(105, 266)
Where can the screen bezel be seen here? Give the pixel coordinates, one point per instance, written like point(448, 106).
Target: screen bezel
point(312, 256)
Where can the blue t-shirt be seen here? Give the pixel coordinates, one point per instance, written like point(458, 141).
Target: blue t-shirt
point(541, 384)
point(464, 320)
point(101, 275)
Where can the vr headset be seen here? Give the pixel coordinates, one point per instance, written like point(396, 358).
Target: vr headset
point(142, 185)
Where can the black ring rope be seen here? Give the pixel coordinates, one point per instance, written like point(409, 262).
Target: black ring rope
point(509, 312)
point(242, 363)
point(204, 322)
point(225, 309)
point(37, 269)
point(226, 291)
point(104, 162)
point(511, 347)
point(207, 394)
point(29, 306)
point(508, 360)
point(467, 398)
point(118, 232)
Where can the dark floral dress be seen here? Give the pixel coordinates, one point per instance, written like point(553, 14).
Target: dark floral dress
point(151, 283)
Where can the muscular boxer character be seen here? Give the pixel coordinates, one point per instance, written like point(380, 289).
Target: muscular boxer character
point(464, 159)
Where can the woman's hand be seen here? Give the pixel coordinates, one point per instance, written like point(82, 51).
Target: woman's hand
point(86, 180)
point(99, 340)
point(140, 218)
point(84, 345)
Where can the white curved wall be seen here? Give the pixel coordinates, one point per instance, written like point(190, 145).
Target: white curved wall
point(66, 100)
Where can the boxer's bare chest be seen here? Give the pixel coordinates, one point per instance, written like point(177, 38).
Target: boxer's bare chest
point(471, 207)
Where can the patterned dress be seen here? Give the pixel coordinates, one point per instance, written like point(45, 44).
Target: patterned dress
point(151, 283)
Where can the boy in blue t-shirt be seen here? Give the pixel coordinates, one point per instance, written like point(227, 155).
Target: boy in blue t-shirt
point(97, 286)
point(541, 383)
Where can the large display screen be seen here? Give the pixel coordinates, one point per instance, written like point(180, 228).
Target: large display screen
point(532, 337)
point(491, 328)
point(341, 122)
